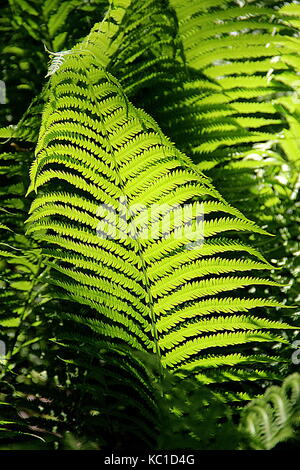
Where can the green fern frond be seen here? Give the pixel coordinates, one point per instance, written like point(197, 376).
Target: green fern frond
point(109, 154)
point(273, 418)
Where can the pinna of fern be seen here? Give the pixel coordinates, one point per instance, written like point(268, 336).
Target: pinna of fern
point(97, 154)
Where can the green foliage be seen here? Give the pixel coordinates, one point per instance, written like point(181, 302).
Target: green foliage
point(149, 150)
point(274, 417)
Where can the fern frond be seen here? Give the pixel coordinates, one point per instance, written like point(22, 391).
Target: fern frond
point(273, 418)
point(117, 158)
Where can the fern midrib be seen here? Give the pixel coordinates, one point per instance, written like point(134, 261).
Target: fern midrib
point(149, 300)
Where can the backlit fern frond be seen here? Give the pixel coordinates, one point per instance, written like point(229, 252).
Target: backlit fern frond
point(114, 199)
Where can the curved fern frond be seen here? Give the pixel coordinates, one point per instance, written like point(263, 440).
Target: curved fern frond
point(273, 418)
